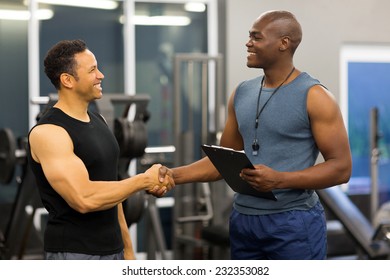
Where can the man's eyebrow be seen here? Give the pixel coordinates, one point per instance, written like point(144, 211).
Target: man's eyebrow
point(254, 33)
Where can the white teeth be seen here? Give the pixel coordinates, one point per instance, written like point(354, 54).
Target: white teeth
point(99, 88)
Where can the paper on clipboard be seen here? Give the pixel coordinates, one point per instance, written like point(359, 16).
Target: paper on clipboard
point(229, 164)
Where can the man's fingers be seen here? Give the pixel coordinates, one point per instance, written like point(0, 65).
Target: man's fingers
point(158, 191)
point(162, 172)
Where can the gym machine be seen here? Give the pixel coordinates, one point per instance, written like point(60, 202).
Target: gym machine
point(129, 129)
point(12, 152)
point(371, 239)
point(154, 238)
point(201, 209)
point(370, 243)
point(19, 229)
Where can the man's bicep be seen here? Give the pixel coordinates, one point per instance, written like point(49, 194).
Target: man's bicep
point(327, 124)
point(53, 149)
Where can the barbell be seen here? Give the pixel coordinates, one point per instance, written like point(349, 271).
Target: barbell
point(10, 155)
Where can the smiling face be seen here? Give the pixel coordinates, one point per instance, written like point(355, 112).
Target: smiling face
point(272, 37)
point(88, 78)
point(262, 44)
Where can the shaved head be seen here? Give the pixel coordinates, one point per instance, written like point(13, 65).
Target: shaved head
point(284, 24)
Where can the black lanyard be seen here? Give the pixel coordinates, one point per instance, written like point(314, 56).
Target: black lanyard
point(255, 144)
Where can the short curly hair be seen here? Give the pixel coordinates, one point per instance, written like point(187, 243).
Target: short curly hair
point(61, 59)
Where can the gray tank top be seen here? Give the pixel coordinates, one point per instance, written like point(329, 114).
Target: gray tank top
point(285, 139)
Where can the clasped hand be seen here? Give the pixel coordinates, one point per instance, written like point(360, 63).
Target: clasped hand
point(166, 182)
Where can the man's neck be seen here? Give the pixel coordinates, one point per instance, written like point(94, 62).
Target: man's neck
point(273, 78)
point(75, 108)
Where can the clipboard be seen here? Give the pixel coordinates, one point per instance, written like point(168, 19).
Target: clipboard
point(229, 164)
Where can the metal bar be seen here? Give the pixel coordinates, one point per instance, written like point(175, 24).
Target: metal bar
point(190, 93)
point(160, 149)
point(129, 47)
point(220, 114)
point(374, 137)
point(40, 100)
point(155, 222)
point(33, 60)
point(177, 104)
point(205, 103)
point(209, 208)
point(196, 57)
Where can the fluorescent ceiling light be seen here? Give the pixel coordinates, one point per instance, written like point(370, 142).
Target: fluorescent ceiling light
point(95, 4)
point(195, 7)
point(162, 20)
point(42, 14)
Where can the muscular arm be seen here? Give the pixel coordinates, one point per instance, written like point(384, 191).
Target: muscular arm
point(331, 138)
point(199, 171)
point(203, 170)
point(128, 251)
point(52, 147)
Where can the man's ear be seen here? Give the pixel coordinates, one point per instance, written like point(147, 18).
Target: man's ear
point(66, 80)
point(284, 43)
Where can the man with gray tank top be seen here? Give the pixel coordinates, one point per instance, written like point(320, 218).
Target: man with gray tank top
point(282, 120)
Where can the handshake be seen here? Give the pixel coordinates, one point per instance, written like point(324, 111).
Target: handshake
point(159, 180)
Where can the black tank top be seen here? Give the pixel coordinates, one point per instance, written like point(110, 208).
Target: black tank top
point(95, 233)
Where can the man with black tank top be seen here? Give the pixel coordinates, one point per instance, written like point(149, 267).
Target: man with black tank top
point(282, 119)
point(74, 157)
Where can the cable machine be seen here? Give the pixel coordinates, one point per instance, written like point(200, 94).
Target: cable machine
point(199, 118)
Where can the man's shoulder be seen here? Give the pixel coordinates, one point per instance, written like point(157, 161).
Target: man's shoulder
point(252, 82)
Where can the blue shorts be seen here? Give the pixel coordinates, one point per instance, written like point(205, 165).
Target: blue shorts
point(291, 235)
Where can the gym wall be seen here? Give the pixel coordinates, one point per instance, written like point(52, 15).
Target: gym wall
point(327, 26)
